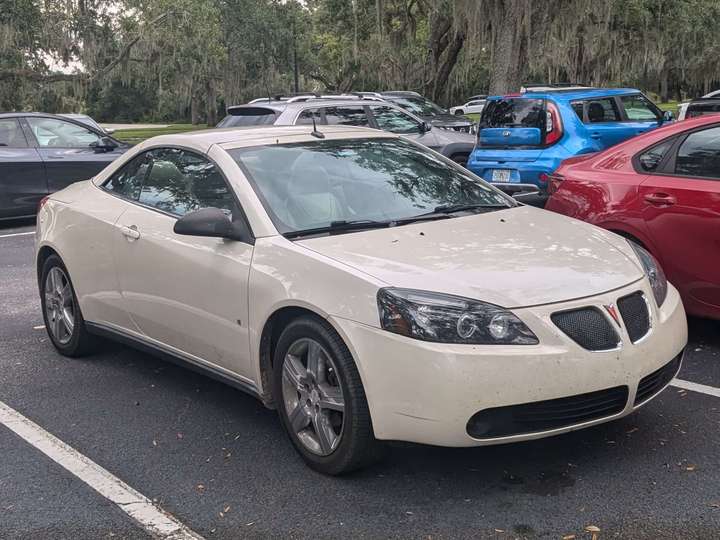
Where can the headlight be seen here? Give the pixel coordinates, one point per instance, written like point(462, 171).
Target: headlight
point(444, 318)
point(654, 272)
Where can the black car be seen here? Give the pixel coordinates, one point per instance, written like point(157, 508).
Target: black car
point(428, 111)
point(703, 106)
point(42, 153)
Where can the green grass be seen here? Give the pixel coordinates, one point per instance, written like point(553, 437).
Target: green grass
point(671, 106)
point(138, 135)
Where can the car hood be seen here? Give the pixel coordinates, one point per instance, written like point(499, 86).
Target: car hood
point(449, 136)
point(513, 258)
point(448, 120)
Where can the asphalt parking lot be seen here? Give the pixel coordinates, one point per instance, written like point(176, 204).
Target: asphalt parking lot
point(218, 462)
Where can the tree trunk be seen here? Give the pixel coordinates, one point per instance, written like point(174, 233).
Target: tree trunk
point(509, 41)
point(443, 73)
point(210, 104)
point(664, 92)
point(195, 109)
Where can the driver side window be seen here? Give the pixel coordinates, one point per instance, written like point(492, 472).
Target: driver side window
point(51, 132)
point(180, 182)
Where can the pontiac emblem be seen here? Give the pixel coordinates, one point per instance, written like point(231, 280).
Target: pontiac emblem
point(506, 133)
point(613, 312)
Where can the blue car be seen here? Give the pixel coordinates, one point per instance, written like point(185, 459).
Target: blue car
point(522, 138)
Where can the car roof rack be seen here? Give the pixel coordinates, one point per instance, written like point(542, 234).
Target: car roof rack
point(553, 87)
point(400, 93)
point(330, 97)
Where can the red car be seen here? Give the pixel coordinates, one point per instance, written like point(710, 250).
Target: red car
point(662, 190)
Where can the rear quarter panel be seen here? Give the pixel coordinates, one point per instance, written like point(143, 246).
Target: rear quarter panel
point(78, 223)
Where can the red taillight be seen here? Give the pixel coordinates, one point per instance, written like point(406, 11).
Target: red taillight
point(42, 202)
point(553, 125)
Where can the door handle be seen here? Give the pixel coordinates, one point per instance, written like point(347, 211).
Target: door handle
point(594, 135)
point(660, 199)
point(130, 232)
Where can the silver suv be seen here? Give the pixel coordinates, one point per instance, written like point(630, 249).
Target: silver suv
point(365, 111)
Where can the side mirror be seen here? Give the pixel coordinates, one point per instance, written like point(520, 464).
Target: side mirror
point(211, 222)
point(668, 116)
point(105, 144)
point(425, 127)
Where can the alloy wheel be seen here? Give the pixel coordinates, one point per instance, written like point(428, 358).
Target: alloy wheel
point(313, 396)
point(59, 306)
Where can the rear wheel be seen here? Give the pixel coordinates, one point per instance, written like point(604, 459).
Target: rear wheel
point(63, 320)
point(459, 112)
point(321, 400)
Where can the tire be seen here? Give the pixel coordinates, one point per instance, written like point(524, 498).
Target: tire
point(70, 340)
point(347, 442)
point(459, 112)
point(460, 159)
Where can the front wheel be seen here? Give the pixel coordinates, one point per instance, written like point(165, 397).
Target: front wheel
point(321, 400)
point(459, 112)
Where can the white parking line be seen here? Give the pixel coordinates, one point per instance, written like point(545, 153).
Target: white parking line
point(16, 234)
point(134, 504)
point(695, 387)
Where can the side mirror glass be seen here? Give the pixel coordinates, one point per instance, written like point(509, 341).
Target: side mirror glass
point(211, 222)
point(668, 116)
point(425, 127)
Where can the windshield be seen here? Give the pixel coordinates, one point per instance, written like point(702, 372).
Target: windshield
point(313, 185)
point(513, 112)
point(417, 105)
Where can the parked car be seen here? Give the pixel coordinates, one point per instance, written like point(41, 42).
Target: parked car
point(42, 153)
point(683, 108)
point(351, 111)
point(701, 107)
point(472, 106)
point(522, 138)
point(89, 121)
point(361, 284)
point(427, 110)
point(662, 190)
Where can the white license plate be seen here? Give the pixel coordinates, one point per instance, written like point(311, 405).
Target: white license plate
point(501, 175)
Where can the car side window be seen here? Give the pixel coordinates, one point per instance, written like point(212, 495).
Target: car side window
point(702, 108)
point(306, 117)
point(699, 154)
point(180, 182)
point(346, 116)
point(602, 110)
point(638, 108)
point(394, 121)
point(650, 159)
point(128, 181)
point(51, 132)
point(11, 135)
point(578, 106)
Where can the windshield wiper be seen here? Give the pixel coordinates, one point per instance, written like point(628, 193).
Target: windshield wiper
point(340, 226)
point(452, 208)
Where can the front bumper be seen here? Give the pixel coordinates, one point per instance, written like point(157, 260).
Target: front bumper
point(428, 392)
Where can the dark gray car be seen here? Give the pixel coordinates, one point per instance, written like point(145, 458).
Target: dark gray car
point(422, 107)
point(42, 153)
point(352, 111)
